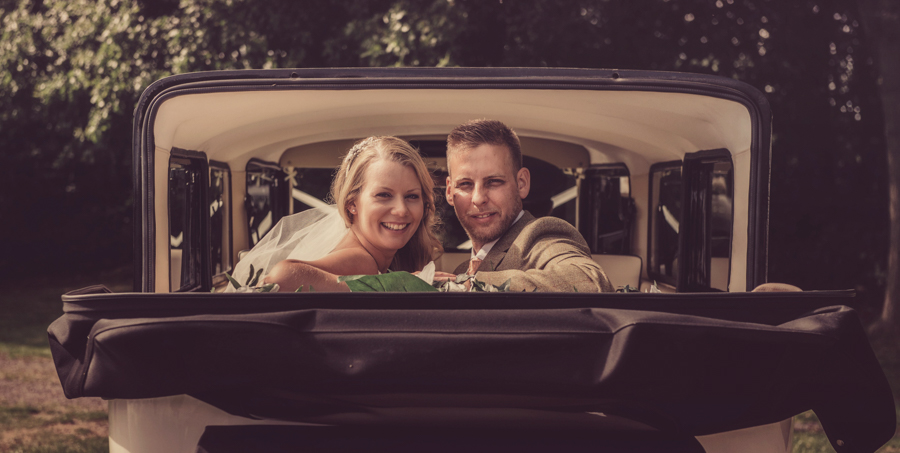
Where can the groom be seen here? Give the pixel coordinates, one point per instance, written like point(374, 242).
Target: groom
point(486, 186)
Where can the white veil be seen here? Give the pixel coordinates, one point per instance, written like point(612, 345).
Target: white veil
point(306, 236)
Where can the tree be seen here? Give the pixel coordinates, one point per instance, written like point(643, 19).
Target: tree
point(882, 22)
point(70, 75)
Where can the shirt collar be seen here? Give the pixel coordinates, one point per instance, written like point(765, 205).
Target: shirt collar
point(482, 254)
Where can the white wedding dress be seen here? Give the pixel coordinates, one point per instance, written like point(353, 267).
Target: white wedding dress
point(305, 236)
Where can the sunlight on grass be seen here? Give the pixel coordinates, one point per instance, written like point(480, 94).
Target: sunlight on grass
point(30, 429)
point(12, 417)
point(45, 426)
point(817, 442)
point(26, 416)
point(811, 443)
point(19, 351)
point(62, 443)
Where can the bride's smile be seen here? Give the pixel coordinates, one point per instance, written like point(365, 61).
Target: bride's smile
point(395, 226)
point(389, 207)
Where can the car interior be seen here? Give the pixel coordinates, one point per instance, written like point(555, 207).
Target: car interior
point(615, 166)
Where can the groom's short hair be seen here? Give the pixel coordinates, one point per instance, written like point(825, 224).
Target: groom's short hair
point(475, 133)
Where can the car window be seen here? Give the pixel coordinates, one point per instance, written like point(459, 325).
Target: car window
point(267, 197)
point(665, 221)
point(220, 235)
point(709, 178)
point(607, 209)
point(691, 220)
point(185, 223)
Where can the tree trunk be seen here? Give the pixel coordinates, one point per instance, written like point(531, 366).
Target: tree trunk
point(881, 21)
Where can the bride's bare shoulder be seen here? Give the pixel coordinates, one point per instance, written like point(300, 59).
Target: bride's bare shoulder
point(347, 261)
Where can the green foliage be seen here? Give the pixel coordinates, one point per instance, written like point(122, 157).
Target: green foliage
point(393, 281)
point(71, 73)
point(267, 288)
point(459, 285)
point(234, 282)
point(811, 442)
point(407, 33)
point(252, 279)
point(627, 289)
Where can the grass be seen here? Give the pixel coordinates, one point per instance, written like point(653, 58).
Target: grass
point(34, 414)
point(29, 429)
point(62, 443)
point(30, 306)
point(28, 417)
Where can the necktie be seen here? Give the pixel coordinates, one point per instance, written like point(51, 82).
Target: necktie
point(473, 266)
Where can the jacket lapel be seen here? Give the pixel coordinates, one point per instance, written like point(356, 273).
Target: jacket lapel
point(498, 252)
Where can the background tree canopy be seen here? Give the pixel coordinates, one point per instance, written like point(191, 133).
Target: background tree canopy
point(71, 72)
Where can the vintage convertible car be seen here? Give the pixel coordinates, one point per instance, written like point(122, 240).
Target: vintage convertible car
point(665, 174)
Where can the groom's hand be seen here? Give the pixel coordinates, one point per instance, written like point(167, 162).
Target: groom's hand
point(441, 276)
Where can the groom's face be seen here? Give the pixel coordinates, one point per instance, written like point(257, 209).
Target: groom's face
point(486, 191)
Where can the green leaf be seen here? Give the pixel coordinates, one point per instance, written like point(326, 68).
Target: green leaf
point(267, 288)
point(250, 277)
point(299, 289)
point(393, 282)
point(477, 285)
point(574, 288)
point(255, 279)
point(347, 278)
point(233, 281)
point(505, 285)
point(311, 289)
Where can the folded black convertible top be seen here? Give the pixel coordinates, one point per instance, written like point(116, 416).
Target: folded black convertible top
point(693, 363)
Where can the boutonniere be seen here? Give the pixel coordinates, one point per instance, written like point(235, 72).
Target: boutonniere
point(475, 285)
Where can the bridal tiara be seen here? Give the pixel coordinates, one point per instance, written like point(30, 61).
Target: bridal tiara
point(351, 155)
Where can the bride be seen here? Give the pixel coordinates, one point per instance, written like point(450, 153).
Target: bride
point(383, 219)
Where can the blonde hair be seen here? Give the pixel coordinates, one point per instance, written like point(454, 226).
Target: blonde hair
point(424, 246)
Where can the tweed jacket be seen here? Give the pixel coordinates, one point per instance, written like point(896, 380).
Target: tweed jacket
point(546, 254)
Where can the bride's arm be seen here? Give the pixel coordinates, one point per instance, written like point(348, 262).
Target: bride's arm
point(322, 274)
point(290, 274)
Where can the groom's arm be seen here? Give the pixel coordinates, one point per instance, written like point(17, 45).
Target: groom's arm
point(548, 255)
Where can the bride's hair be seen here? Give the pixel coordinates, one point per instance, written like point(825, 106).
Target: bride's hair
point(424, 246)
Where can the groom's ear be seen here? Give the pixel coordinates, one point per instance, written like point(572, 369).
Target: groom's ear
point(523, 181)
point(448, 195)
